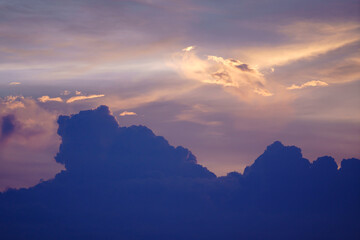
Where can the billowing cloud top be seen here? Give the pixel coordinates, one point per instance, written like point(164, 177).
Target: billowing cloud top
point(120, 151)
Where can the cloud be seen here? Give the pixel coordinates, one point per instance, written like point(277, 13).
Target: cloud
point(77, 92)
point(12, 102)
point(146, 155)
point(14, 83)
point(218, 70)
point(65, 92)
point(188, 49)
point(126, 113)
point(7, 127)
point(44, 99)
point(308, 84)
point(29, 132)
point(263, 92)
point(129, 177)
point(78, 98)
point(305, 40)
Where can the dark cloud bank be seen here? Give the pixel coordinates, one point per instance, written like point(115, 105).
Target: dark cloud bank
point(127, 183)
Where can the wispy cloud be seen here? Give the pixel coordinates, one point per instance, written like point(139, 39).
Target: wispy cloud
point(263, 92)
point(78, 98)
point(126, 113)
point(44, 99)
point(304, 40)
point(308, 84)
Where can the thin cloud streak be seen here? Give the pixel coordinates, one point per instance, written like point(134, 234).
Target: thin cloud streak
point(79, 98)
point(126, 113)
point(304, 40)
point(308, 84)
point(14, 83)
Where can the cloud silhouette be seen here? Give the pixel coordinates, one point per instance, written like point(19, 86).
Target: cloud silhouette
point(128, 183)
point(95, 139)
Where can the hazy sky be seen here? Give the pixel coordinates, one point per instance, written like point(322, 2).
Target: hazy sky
point(222, 78)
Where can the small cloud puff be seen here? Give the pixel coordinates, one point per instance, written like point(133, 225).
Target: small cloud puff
point(126, 113)
point(44, 99)
point(78, 98)
point(308, 84)
point(188, 49)
point(65, 92)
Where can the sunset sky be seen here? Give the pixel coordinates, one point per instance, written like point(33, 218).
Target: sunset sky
point(222, 78)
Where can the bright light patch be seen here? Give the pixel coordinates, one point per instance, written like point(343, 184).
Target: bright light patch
point(126, 113)
point(188, 49)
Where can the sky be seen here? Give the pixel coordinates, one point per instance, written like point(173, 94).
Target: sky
point(222, 78)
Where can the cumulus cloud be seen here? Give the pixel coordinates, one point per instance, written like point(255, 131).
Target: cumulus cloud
point(79, 98)
point(308, 84)
point(129, 177)
point(218, 70)
point(12, 102)
point(44, 99)
point(126, 113)
point(145, 155)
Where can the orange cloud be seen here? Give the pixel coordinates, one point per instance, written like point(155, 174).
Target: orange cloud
point(126, 113)
point(217, 70)
point(44, 99)
point(78, 98)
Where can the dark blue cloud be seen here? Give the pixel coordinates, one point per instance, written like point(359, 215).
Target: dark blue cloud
point(127, 183)
point(7, 127)
point(94, 139)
